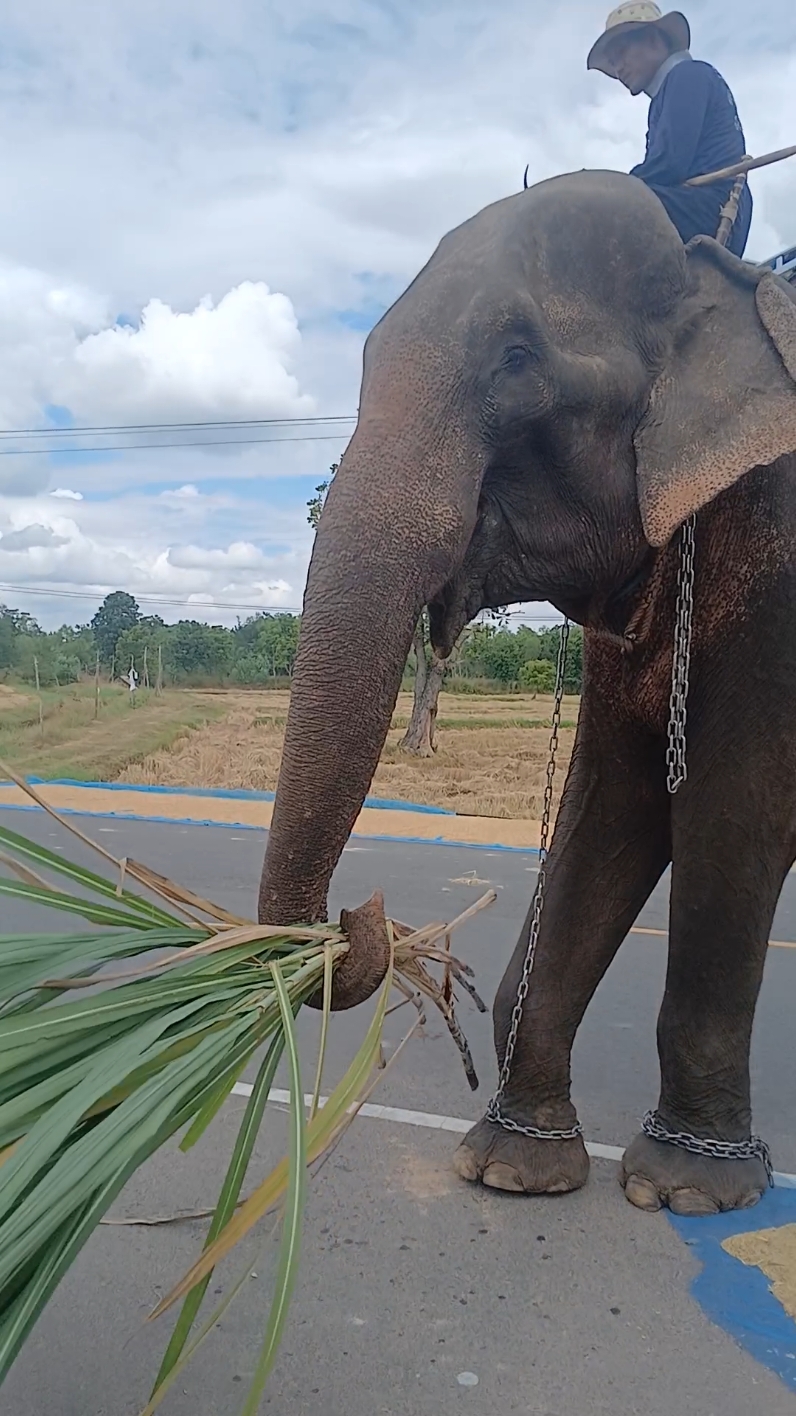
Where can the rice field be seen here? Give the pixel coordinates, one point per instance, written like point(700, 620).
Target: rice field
point(491, 757)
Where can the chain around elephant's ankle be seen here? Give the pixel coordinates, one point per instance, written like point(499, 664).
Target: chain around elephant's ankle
point(753, 1149)
point(494, 1114)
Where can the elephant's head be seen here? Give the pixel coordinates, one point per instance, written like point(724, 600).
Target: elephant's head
point(560, 387)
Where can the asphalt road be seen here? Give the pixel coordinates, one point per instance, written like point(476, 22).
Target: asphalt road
point(413, 1284)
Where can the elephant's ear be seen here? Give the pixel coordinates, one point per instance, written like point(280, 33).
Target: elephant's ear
point(725, 401)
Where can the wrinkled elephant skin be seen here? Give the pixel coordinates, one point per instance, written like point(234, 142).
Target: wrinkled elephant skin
point(558, 390)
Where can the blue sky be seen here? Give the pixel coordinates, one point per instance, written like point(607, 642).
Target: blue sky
point(203, 210)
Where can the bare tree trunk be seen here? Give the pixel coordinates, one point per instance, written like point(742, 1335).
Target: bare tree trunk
point(419, 737)
point(421, 660)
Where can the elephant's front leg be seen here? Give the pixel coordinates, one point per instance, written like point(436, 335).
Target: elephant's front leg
point(733, 833)
point(611, 845)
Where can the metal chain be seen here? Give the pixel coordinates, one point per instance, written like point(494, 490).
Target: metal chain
point(494, 1110)
point(681, 660)
point(753, 1149)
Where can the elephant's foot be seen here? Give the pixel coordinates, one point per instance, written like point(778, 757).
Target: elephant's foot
point(505, 1160)
point(655, 1174)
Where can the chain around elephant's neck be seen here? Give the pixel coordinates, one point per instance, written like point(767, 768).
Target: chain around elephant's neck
point(494, 1110)
point(676, 762)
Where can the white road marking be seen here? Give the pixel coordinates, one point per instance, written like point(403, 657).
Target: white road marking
point(431, 1122)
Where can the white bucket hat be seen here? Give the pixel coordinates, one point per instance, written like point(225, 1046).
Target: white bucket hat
point(635, 15)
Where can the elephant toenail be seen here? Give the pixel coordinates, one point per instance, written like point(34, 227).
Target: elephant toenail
point(465, 1163)
point(642, 1193)
point(692, 1202)
point(503, 1177)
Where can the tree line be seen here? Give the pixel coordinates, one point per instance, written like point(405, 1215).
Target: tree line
point(261, 650)
point(258, 651)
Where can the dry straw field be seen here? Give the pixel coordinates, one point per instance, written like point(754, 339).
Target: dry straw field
point(491, 757)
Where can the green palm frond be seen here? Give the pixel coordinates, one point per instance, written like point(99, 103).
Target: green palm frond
point(118, 1037)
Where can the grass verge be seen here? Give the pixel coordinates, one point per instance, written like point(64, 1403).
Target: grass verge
point(69, 742)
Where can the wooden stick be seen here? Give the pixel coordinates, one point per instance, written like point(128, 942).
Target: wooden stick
point(729, 211)
point(38, 692)
point(747, 164)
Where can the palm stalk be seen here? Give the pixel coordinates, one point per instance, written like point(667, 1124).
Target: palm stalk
point(134, 1028)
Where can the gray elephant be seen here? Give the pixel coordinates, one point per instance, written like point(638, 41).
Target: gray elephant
point(557, 392)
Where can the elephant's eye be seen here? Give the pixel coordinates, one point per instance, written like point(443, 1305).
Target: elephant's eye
point(516, 357)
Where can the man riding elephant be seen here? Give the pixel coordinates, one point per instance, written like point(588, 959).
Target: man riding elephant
point(694, 126)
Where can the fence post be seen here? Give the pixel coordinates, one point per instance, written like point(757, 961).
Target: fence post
point(38, 691)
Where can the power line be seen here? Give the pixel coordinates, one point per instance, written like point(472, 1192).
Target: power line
point(151, 447)
point(89, 430)
point(143, 600)
point(146, 599)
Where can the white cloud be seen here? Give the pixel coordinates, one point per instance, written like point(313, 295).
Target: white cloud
point(31, 537)
point(66, 494)
point(139, 544)
point(180, 494)
point(230, 360)
point(241, 555)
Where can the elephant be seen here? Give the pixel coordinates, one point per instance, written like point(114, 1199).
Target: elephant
point(556, 394)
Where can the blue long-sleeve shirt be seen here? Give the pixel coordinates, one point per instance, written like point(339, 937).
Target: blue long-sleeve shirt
point(694, 128)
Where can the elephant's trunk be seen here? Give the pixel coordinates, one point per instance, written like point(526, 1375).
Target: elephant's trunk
point(373, 567)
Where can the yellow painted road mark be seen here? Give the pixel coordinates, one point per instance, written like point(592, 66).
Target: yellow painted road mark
point(234, 811)
point(773, 1251)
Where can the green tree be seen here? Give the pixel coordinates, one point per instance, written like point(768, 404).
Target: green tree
point(503, 657)
point(32, 650)
point(315, 503)
point(528, 640)
point(573, 672)
point(118, 612)
point(21, 621)
point(66, 667)
point(76, 642)
point(265, 647)
point(493, 653)
point(7, 641)
point(140, 644)
point(198, 651)
point(538, 675)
